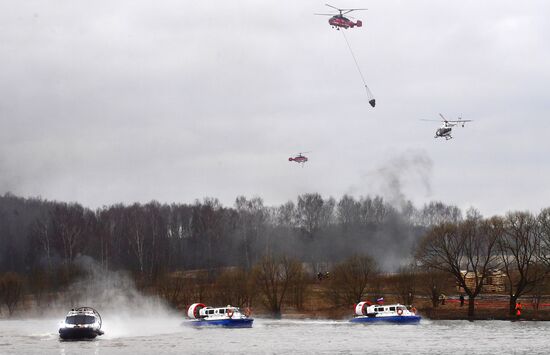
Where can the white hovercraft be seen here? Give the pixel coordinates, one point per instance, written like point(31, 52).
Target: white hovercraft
point(81, 323)
point(229, 317)
point(366, 312)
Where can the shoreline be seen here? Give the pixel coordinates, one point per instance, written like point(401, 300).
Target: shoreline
point(438, 316)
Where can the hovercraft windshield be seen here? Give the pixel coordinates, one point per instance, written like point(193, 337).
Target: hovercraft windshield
point(80, 319)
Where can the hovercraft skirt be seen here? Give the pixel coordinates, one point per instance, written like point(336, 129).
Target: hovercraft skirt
point(79, 333)
point(391, 319)
point(226, 323)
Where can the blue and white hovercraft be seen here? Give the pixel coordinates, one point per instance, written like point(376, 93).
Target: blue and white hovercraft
point(229, 317)
point(81, 323)
point(366, 312)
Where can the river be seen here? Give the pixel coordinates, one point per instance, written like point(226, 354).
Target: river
point(165, 335)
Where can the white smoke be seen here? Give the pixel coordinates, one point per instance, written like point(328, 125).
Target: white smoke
point(124, 309)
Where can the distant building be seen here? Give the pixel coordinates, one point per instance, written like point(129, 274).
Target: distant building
point(494, 281)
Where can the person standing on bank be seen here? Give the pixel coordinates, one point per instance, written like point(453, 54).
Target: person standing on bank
point(518, 309)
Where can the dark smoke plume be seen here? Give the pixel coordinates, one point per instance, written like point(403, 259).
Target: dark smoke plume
point(392, 178)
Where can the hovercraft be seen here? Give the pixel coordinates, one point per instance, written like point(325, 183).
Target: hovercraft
point(229, 317)
point(366, 312)
point(81, 323)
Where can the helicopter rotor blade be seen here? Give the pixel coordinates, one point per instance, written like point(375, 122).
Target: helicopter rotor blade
point(334, 7)
point(326, 14)
point(423, 119)
point(347, 11)
point(444, 119)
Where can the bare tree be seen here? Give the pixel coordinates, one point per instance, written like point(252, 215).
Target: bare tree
point(519, 247)
point(179, 232)
point(286, 214)
point(234, 287)
point(136, 234)
point(298, 289)
point(273, 277)
point(435, 213)
point(172, 289)
point(157, 231)
point(466, 250)
point(348, 212)
point(433, 282)
point(313, 212)
point(69, 223)
point(405, 283)
point(543, 222)
point(11, 290)
point(349, 279)
point(106, 235)
point(41, 231)
point(373, 210)
point(252, 217)
point(208, 227)
point(40, 285)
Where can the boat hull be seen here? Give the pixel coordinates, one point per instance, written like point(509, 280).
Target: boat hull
point(390, 319)
point(79, 333)
point(226, 323)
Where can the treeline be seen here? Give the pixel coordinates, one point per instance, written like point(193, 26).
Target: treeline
point(250, 253)
point(469, 251)
point(152, 239)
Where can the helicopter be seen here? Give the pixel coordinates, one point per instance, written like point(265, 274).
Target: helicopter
point(445, 130)
point(340, 21)
point(300, 158)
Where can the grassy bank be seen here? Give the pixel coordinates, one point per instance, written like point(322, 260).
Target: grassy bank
point(488, 307)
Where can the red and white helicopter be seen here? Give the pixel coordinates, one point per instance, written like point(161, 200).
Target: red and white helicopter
point(340, 21)
point(445, 130)
point(300, 158)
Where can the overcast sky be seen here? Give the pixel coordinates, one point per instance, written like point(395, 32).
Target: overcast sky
point(121, 101)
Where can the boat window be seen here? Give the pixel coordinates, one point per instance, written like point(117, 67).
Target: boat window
point(80, 319)
point(222, 311)
point(210, 311)
point(392, 309)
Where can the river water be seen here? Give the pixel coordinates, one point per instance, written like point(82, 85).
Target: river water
point(166, 335)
